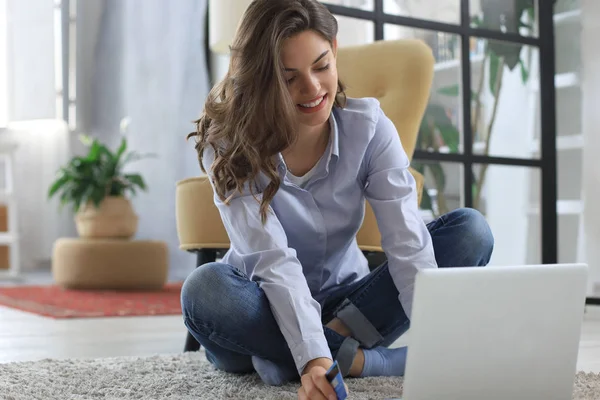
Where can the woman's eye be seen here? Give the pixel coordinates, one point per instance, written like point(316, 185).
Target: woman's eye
point(293, 78)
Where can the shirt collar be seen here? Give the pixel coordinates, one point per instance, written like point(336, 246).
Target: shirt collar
point(334, 142)
point(334, 135)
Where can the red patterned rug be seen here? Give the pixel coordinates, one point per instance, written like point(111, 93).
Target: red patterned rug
point(55, 302)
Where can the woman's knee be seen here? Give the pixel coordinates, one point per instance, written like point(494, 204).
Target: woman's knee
point(475, 234)
point(478, 234)
point(205, 288)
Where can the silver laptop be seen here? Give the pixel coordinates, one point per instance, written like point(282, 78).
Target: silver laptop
point(495, 333)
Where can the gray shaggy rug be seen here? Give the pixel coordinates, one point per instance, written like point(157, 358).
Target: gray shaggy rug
point(180, 376)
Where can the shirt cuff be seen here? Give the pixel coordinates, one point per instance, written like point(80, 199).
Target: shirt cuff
point(309, 350)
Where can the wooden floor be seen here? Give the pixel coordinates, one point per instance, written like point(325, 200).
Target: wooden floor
point(25, 337)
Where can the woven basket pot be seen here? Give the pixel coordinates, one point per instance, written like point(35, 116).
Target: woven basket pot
point(114, 218)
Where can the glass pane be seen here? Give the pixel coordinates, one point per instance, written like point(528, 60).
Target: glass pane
point(561, 6)
point(442, 123)
point(442, 187)
point(447, 11)
point(505, 106)
point(362, 4)
point(515, 17)
point(353, 31)
point(509, 198)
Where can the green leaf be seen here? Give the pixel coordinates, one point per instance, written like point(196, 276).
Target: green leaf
point(135, 156)
point(426, 203)
point(494, 69)
point(451, 136)
point(58, 184)
point(451, 90)
point(436, 116)
point(97, 196)
point(504, 15)
point(476, 21)
point(524, 72)
point(136, 180)
point(121, 148)
point(454, 91)
point(94, 152)
point(525, 25)
point(418, 166)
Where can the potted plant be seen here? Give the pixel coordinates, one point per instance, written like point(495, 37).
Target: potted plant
point(97, 189)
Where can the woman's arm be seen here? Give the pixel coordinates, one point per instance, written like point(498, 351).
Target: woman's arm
point(391, 192)
point(279, 274)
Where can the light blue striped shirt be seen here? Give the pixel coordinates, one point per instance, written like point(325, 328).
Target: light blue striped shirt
point(308, 246)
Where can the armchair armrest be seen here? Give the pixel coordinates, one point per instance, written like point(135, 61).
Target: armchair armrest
point(420, 179)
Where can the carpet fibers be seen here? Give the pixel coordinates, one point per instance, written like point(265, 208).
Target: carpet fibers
point(181, 376)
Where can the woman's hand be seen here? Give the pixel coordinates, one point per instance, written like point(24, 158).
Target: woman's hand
point(315, 385)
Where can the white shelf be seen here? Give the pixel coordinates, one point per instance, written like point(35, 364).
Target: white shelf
point(561, 81)
point(567, 17)
point(9, 275)
point(6, 196)
point(8, 238)
point(565, 142)
point(563, 207)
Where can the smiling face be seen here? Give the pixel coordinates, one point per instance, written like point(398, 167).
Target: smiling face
point(311, 74)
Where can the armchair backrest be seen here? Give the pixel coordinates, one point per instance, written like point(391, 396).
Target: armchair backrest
point(399, 74)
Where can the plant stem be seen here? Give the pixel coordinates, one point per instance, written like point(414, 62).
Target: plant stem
point(490, 126)
point(478, 97)
point(441, 199)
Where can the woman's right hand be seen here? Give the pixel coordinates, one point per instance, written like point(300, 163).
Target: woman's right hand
point(315, 385)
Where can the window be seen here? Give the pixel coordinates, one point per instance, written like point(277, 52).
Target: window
point(65, 17)
point(492, 96)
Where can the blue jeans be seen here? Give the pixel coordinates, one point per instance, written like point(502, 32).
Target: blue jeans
point(230, 315)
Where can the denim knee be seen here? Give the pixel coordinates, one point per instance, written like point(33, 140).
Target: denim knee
point(476, 233)
point(204, 289)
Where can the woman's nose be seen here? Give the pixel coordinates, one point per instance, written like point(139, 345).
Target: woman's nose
point(311, 86)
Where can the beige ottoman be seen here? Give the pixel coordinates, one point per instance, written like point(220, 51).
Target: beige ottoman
point(110, 264)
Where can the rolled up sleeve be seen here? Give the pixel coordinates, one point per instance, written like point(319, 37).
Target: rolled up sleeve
point(391, 192)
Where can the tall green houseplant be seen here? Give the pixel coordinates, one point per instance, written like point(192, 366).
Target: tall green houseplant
point(437, 129)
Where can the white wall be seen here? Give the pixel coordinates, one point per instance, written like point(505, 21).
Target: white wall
point(3, 65)
point(590, 77)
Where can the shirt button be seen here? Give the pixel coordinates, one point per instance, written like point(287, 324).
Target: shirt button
point(299, 358)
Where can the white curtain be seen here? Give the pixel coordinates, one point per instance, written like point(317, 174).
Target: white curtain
point(147, 64)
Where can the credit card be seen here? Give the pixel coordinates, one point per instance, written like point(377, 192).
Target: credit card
point(334, 376)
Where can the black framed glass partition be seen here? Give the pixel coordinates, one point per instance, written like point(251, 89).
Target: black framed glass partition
point(488, 137)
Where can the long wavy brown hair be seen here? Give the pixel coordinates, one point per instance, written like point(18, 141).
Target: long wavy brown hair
point(249, 117)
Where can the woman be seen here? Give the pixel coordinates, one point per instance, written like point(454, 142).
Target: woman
point(291, 161)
